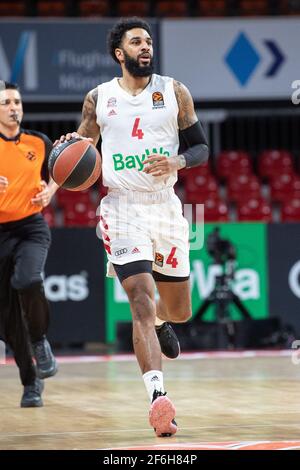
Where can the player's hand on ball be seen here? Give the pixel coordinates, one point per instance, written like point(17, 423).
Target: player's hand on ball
point(159, 165)
point(69, 136)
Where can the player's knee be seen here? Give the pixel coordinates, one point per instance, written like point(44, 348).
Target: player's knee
point(142, 304)
point(181, 315)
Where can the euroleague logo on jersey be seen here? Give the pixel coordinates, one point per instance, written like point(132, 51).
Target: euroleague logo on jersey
point(31, 156)
point(112, 103)
point(158, 100)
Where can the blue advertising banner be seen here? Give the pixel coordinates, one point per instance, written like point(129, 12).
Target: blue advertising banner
point(57, 60)
point(233, 58)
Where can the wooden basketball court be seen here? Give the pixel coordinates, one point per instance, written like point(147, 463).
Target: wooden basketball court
point(230, 400)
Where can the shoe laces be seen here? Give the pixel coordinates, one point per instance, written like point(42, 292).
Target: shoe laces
point(41, 351)
point(158, 393)
point(161, 328)
point(168, 333)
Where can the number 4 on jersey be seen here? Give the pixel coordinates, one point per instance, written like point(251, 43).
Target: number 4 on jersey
point(171, 260)
point(136, 132)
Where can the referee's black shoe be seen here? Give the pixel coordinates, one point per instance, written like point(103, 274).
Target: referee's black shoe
point(46, 365)
point(32, 395)
point(168, 340)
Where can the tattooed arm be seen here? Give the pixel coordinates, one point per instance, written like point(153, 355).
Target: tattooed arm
point(89, 126)
point(186, 114)
point(190, 129)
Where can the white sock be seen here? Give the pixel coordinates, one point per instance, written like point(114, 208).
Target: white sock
point(158, 321)
point(154, 381)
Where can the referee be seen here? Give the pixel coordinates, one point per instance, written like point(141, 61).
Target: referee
point(24, 244)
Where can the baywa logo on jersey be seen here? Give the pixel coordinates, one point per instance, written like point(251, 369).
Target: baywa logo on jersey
point(158, 100)
point(135, 161)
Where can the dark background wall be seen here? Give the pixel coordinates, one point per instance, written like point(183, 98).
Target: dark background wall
point(74, 284)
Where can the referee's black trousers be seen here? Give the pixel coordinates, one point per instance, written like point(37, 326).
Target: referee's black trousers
point(24, 310)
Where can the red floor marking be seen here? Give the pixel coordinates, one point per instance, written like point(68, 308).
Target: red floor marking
point(183, 356)
point(238, 445)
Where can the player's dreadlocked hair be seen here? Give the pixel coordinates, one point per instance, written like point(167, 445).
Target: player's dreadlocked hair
point(115, 35)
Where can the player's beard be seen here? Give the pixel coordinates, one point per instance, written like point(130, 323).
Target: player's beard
point(135, 69)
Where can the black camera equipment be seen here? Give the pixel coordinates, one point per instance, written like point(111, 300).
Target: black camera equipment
point(224, 254)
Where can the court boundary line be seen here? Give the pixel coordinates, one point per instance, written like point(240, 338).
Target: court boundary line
point(182, 428)
point(245, 354)
point(225, 445)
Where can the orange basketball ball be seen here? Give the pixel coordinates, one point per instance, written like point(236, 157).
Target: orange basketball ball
point(75, 164)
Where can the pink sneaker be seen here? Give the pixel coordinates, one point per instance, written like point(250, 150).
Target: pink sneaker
point(162, 414)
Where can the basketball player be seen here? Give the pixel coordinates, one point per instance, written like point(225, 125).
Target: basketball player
point(139, 116)
point(24, 244)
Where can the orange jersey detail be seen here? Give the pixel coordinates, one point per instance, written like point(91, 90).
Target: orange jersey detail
point(21, 162)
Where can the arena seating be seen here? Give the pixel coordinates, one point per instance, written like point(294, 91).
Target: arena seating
point(147, 8)
point(13, 8)
point(93, 8)
point(52, 8)
point(200, 187)
point(254, 7)
point(272, 163)
point(284, 187)
point(242, 187)
point(215, 210)
point(140, 8)
point(290, 211)
point(255, 209)
point(233, 162)
point(80, 214)
point(174, 8)
point(212, 8)
point(49, 215)
point(289, 7)
point(67, 198)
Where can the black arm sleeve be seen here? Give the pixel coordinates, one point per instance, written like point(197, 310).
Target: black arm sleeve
point(196, 144)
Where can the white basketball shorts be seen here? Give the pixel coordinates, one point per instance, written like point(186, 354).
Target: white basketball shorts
point(145, 226)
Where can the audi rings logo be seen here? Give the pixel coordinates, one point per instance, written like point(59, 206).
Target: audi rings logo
point(294, 279)
point(121, 252)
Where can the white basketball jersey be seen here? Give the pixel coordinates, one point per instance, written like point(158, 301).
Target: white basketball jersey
point(134, 127)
